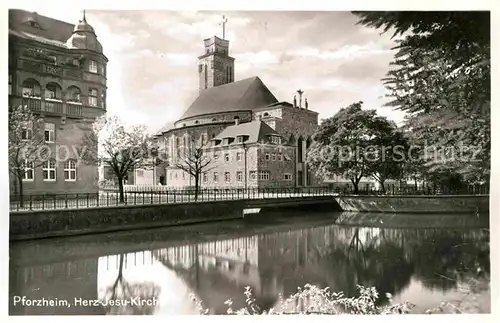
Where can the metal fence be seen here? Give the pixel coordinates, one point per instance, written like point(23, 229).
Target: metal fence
point(411, 190)
point(161, 195)
point(152, 196)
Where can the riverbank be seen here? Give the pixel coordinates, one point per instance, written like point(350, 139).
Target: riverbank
point(37, 224)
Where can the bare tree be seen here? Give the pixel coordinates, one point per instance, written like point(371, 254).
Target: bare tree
point(124, 292)
point(194, 161)
point(26, 145)
point(111, 143)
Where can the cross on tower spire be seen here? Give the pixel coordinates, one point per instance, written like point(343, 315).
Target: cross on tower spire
point(300, 92)
point(223, 24)
point(84, 18)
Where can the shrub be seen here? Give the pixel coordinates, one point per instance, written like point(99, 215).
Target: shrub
point(313, 300)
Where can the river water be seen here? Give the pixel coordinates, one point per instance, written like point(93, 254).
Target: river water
point(422, 259)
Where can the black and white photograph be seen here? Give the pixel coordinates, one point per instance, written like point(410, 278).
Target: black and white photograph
point(248, 162)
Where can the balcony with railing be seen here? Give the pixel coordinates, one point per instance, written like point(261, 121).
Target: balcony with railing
point(48, 105)
point(74, 108)
point(52, 106)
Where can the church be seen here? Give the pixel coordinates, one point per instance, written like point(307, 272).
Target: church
point(249, 138)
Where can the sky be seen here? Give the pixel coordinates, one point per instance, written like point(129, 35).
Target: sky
point(152, 71)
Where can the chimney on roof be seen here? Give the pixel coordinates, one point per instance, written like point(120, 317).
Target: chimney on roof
point(236, 121)
point(294, 101)
point(306, 104)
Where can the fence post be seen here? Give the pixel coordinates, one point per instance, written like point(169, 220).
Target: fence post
point(174, 197)
point(88, 200)
point(151, 196)
point(98, 198)
point(31, 202)
point(66, 200)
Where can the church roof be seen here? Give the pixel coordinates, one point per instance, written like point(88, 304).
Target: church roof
point(246, 94)
point(255, 130)
point(169, 125)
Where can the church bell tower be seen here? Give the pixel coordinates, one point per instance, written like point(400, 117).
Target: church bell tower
point(215, 66)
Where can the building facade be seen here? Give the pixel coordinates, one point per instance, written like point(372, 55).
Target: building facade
point(59, 71)
point(251, 138)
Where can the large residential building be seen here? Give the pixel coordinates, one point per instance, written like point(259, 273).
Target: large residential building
point(251, 138)
point(59, 71)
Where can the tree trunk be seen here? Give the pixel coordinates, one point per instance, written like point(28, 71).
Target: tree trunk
point(119, 278)
point(120, 189)
point(196, 186)
point(355, 183)
point(21, 193)
point(382, 186)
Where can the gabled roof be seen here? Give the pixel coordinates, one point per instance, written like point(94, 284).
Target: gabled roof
point(50, 30)
point(255, 130)
point(246, 94)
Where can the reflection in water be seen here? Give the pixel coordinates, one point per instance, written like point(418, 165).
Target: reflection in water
point(423, 266)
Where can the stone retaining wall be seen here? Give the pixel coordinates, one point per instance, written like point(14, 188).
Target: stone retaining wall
point(416, 204)
point(53, 223)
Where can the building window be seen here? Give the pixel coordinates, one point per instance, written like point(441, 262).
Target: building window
point(280, 157)
point(227, 177)
point(216, 156)
point(70, 171)
point(93, 97)
point(50, 91)
point(239, 176)
point(275, 140)
point(226, 157)
point(92, 66)
point(239, 139)
point(49, 170)
point(27, 131)
point(273, 157)
point(253, 175)
point(205, 177)
point(264, 175)
point(10, 84)
point(216, 177)
point(268, 157)
point(204, 139)
point(75, 62)
point(140, 173)
point(28, 90)
point(238, 156)
point(103, 99)
point(29, 173)
point(183, 175)
point(50, 132)
point(287, 177)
